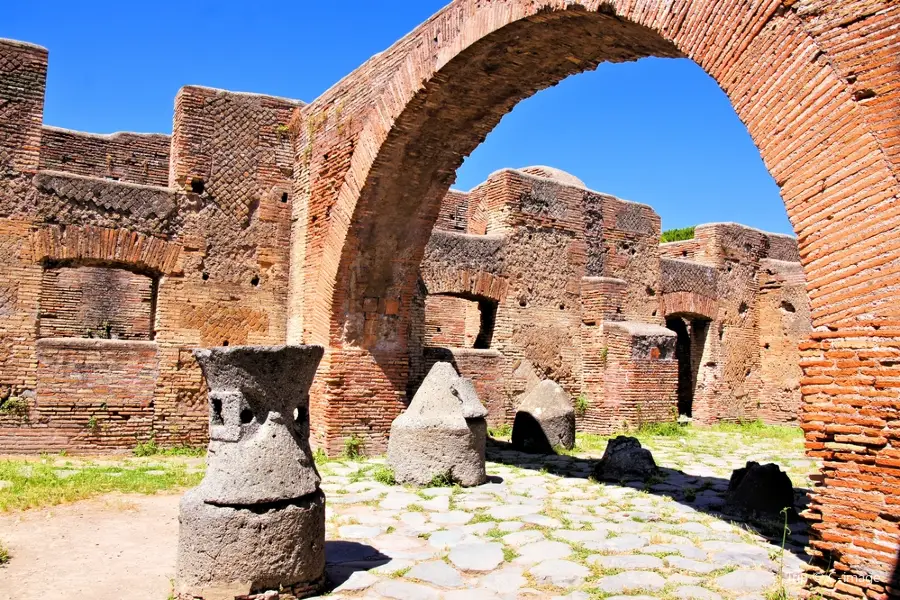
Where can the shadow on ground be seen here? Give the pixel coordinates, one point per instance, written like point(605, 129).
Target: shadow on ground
point(702, 493)
point(343, 559)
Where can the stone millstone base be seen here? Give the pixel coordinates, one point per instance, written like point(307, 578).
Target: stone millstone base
point(226, 552)
point(419, 454)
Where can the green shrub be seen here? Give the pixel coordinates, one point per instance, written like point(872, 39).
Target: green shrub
point(4, 555)
point(677, 235)
point(383, 474)
point(353, 447)
point(148, 448)
point(14, 406)
point(441, 480)
point(581, 405)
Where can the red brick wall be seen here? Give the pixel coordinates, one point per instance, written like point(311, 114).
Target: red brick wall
point(96, 302)
point(451, 321)
point(133, 157)
point(93, 394)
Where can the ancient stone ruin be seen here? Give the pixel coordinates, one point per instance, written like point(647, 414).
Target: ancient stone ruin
point(532, 276)
point(263, 220)
point(257, 520)
point(763, 489)
point(545, 420)
point(441, 436)
point(625, 460)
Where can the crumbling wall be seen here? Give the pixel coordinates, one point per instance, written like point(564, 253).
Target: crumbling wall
point(133, 157)
point(784, 323)
point(201, 263)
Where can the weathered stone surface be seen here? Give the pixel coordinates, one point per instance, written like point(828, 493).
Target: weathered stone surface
point(257, 520)
point(629, 581)
point(243, 549)
point(761, 488)
point(561, 573)
point(436, 572)
point(477, 556)
point(624, 459)
point(259, 423)
point(545, 419)
point(433, 438)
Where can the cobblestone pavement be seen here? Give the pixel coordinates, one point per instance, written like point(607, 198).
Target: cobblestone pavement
point(541, 529)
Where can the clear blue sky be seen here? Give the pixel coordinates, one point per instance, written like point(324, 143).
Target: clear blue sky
point(656, 131)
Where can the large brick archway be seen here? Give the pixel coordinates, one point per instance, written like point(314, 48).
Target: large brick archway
point(816, 82)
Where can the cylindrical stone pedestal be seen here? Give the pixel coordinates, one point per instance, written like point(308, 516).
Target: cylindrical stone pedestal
point(226, 551)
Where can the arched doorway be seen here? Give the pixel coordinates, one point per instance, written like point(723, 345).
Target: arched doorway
point(377, 152)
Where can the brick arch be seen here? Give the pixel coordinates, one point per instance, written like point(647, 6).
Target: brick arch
point(816, 84)
point(689, 304)
point(466, 283)
point(381, 147)
point(123, 247)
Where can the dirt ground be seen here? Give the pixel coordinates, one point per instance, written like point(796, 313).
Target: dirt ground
point(109, 548)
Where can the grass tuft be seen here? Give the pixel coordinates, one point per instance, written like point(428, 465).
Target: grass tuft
point(383, 474)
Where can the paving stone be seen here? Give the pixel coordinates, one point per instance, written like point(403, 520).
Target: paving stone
point(437, 504)
point(576, 595)
point(542, 521)
point(510, 525)
point(478, 528)
point(359, 580)
point(436, 572)
point(472, 594)
point(359, 532)
point(449, 538)
point(746, 580)
point(561, 573)
point(413, 518)
point(631, 581)
point(530, 554)
point(511, 511)
point(394, 565)
point(520, 538)
point(8, 484)
point(579, 536)
point(477, 556)
point(682, 579)
point(453, 517)
point(404, 590)
point(622, 543)
point(690, 565)
point(629, 562)
point(695, 592)
point(507, 580)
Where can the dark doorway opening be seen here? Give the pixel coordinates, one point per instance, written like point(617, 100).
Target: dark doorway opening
point(689, 346)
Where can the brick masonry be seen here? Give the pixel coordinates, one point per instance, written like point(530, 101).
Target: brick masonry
point(815, 82)
point(578, 279)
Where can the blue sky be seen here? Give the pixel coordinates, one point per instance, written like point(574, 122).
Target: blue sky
point(655, 131)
